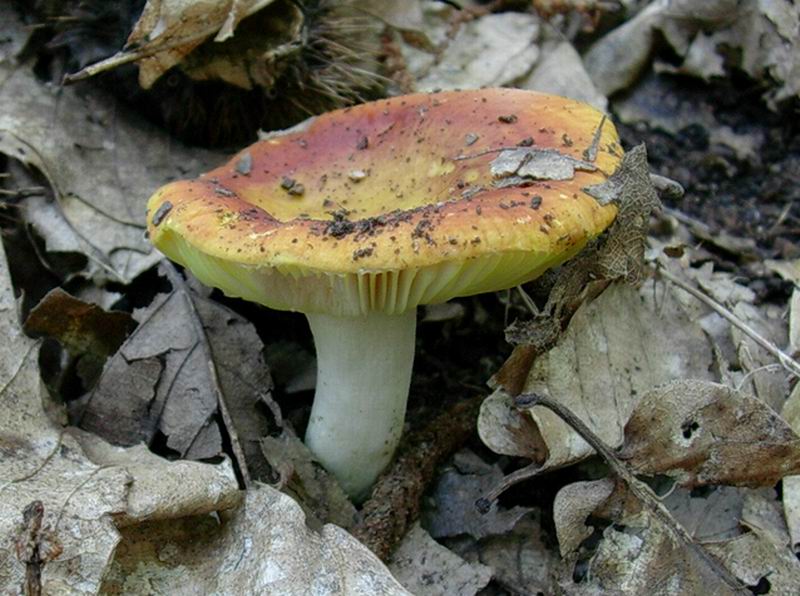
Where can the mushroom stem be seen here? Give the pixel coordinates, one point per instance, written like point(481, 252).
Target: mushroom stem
point(363, 376)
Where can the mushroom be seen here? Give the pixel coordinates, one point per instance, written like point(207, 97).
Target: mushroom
point(362, 214)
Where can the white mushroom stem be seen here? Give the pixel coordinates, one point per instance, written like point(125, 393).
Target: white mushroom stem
point(363, 377)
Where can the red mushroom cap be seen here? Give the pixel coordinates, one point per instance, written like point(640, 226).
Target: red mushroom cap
point(394, 203)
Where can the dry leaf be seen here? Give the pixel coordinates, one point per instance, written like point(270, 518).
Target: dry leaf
point(162, 489)
point(59, 504)
point(640, 553)
point(426, 568)
point(263, 547)
point(560, 71)
point(13, 36)
point(63, 490)
point(760, 563)
point(612, 353)
point(705, 433)
point(791, 484)
point(406, 16)
point(791, 509)
point(52, 498)
point(190, 360)
point(79, 326)
point(764, 32)
point(491, 51)
point(93, 157)
point(168, 30)
point(710, 515)
point(636, 555)
point(572, 506)
point(762, 510)
point(507, 430)
point(301, 475)
point(765, 377)
point(522, 560)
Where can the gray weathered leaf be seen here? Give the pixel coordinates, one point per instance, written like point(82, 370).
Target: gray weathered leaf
point(301, 475)
point(458, 488)
point(189, 361)
point(93, 157)
point(493, 50)
point(764, 33)
point(426, 568)
point(263, 547)
point(68, 499)
point(560, 71)
point(522, 560)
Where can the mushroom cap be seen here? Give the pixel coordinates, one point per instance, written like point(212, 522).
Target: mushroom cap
point(394, 203)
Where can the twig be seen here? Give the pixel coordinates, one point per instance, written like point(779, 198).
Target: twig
point(640, 490)
point(396, 499)
point(21, 193)
point(484, 504)
point(789, 363)
point(132, 55)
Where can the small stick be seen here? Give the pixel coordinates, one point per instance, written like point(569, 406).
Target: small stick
point(789, 363)
point(640, 490)
point(484, 504)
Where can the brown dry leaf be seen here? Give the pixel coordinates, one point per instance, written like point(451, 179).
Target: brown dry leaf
point(263, 547)
point(253, 43)
point(640, 553)
point(453, 511)
point(705, 433)
point(92, 155)
point(189, 361)
point(612, 353)
point(426, 568)
point(88, 333)
point(637, 553)
point(168, 30)
point(79, 326)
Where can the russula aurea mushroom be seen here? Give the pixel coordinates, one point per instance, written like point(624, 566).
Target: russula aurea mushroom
point(367, 212)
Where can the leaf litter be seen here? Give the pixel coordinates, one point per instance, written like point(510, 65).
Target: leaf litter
point(620, 344)
point(72, 503)
point(179, 371)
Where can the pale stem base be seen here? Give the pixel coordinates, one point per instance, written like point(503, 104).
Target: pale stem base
point(363, 377)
